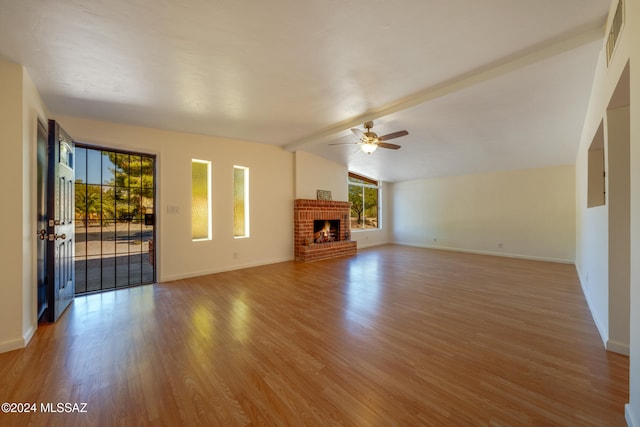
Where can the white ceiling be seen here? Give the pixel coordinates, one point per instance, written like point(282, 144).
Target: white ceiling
point(480, 85)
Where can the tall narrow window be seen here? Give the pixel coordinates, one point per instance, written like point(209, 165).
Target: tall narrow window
point(240, 201)
point(363, 195)
point(200, 200)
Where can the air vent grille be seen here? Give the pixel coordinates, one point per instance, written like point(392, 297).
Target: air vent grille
point(615, 30)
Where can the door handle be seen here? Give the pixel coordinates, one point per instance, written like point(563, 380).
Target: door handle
point(53, 237)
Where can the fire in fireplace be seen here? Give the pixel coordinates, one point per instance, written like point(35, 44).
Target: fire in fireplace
point(326, 230)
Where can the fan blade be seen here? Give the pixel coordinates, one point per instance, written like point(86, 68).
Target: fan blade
point(359, 133)
point(387, 145)
point(392, 135)
point(344, 143)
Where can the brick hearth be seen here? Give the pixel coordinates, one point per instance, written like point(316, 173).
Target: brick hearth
point(305, 212)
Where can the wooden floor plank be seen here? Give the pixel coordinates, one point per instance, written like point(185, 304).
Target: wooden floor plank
point(392, 336)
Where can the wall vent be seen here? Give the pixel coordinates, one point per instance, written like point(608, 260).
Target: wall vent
point(615, 30)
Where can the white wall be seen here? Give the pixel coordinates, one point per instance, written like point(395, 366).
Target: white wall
point(20, 109)
point(602, 232)
point(602, 242)
point(11, 164)
point(632, 39)
point(592, 248)
point(525, 213)
point(594, 233)
point(270, 188)
point(314, 173)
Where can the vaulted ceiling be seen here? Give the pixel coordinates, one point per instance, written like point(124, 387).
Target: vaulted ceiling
point(480, 85)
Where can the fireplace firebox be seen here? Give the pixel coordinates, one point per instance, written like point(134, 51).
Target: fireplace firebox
point(326, 230)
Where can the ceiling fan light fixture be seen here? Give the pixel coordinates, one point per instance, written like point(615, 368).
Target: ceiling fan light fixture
point(368, 147)
point(370, 141)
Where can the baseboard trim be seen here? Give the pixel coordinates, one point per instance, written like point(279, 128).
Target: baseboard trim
point(629, 415)
point(20, 342)
point(12, 345)
point(371, 245)
point(173, 277)
point(480, 252)
point(30, 333)
point(618, 347)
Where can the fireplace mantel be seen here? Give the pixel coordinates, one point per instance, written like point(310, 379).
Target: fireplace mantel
point(305, 212)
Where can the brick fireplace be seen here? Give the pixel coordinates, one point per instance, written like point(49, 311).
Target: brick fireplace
point(305, 236)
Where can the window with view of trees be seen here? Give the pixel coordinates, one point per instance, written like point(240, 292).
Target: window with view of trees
point(364, 197)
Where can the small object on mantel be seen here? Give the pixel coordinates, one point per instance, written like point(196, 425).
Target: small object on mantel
point(323, 195)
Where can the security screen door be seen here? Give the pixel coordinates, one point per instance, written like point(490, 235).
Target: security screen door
point(115, 219)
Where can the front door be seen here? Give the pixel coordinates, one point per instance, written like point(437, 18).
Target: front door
point(60, 227)
point(43, 167)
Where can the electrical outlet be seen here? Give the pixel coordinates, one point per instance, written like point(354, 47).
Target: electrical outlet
point(435, 240)
point(235, 255)
point(500, 245)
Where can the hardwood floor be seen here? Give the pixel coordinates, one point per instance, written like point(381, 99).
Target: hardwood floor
point(392, 336)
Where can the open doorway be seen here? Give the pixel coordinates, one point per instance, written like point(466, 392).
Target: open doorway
point(115, 219)
point(619, 195)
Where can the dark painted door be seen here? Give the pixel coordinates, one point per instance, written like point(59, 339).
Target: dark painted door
point(60, 271)
point(43, 167)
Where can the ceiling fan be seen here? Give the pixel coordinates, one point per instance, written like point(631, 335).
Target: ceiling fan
point(369, 141)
